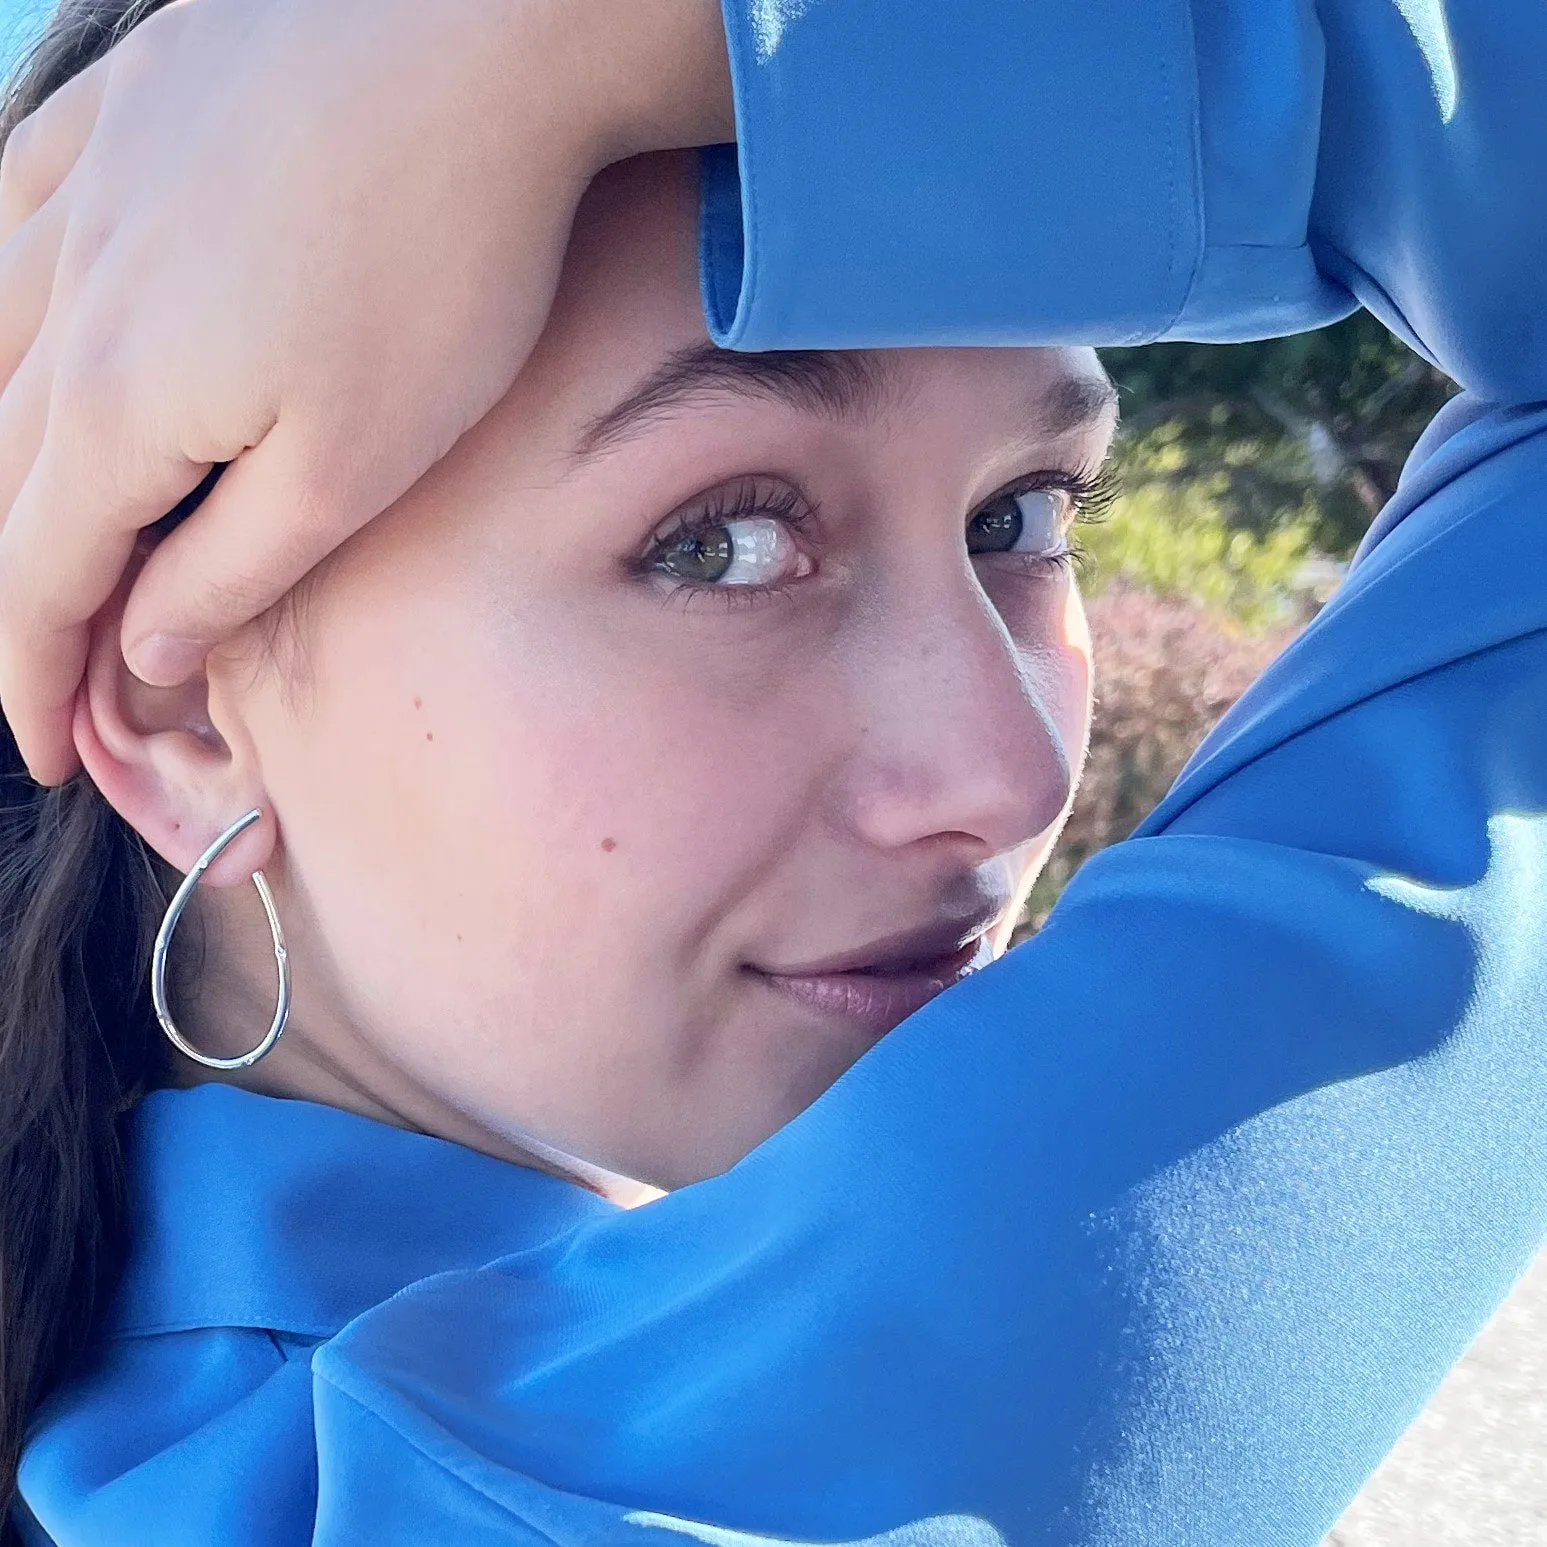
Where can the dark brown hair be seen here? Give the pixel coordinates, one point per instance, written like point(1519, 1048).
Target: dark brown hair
point(81, 896)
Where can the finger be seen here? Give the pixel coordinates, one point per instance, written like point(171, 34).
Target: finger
point(268, 521)
point(28, 263)
point(63, 549)
point(44, 147)
point(23, 419)
point(27, 367)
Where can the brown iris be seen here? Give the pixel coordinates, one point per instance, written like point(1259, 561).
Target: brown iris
point(699, 556)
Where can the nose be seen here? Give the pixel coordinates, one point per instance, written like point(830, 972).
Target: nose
point(963, 732)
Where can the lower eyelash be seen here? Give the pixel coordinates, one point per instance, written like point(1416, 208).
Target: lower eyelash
point(686, 594)
point(1072, 556)
point(1075, 556)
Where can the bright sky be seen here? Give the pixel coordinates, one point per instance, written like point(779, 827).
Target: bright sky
point(19, 19)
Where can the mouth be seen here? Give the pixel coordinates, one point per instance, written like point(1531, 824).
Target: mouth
point(880, 994)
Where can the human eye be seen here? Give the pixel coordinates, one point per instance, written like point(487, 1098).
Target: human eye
point(739, 540)
point(1034, 516)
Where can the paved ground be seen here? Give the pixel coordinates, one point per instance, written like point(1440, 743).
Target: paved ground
point(1472, 1472)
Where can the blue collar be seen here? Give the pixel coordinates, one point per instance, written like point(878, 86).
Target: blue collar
point(253, 1211)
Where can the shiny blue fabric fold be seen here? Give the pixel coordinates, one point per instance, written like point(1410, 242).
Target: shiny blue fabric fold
point(261, 1227)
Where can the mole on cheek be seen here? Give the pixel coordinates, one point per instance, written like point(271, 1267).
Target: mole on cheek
point(429, 735)
point(609, 844)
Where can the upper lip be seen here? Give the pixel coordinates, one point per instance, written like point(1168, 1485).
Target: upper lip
point(900, 950)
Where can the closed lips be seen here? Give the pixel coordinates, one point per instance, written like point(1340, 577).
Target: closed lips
point(882, 985)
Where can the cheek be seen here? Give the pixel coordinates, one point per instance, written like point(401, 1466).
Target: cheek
point(1052, 635)
point(1077, 673)
point(551, 780)
point(674, 771)
point(1059, 663)
point(600, 790)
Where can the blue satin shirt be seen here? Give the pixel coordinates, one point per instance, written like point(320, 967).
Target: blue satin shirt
point(1157, 1231)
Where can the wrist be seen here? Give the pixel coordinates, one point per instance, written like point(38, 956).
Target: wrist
point(650, 75)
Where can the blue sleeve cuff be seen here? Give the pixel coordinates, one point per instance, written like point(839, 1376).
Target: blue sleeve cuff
point(1119, 171)
point(976, 173)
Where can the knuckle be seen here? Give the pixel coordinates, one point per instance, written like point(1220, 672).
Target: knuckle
point(21, 174)
point(233, 598)
point(322, 513)
point(148, 29)
point(91, 372)
point(87, 233)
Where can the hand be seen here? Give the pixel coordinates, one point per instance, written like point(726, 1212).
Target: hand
point(315, 239)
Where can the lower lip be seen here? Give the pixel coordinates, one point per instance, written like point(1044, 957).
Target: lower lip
point(877, 1001)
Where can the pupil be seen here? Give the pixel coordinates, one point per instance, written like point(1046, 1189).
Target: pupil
point(701, 556)
point(995, 529)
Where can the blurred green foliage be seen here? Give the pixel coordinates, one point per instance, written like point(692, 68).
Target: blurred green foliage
point(1310, 431)
point(1176, 536)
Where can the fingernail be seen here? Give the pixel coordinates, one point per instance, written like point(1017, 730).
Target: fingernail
point(165, 660)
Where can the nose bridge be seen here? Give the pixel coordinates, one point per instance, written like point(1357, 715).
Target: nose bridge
point(960, 733)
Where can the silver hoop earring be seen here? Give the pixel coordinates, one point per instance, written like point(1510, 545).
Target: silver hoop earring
point(158, 960)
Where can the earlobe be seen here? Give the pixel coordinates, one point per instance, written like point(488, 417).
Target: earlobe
point(160, 763)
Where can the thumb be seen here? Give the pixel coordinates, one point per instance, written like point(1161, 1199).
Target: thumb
point(268, 519)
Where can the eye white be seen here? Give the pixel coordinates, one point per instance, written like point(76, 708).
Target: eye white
point(762, 552)
point(1043, 513)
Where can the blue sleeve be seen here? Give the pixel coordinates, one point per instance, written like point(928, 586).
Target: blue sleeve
point(178, 1439)
point(1161, 1229)
point(1158, 1231)
point(1125, 170)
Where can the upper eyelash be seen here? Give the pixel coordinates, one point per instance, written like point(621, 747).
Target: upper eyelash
point(1091, 489)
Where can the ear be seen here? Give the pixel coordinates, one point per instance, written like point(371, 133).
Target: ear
point(162, 765)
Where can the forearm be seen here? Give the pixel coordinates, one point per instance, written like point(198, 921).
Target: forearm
point(645, 75)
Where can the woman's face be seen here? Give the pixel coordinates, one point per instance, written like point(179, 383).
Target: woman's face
point(688, 688)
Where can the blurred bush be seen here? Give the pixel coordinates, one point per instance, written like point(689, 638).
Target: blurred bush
point(1167, 667)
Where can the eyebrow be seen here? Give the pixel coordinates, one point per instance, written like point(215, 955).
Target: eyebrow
point(1075, 403)
point(834, 384)
point(853, 384)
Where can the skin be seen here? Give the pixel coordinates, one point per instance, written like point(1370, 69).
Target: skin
point(134, 352)
point(531, 814)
